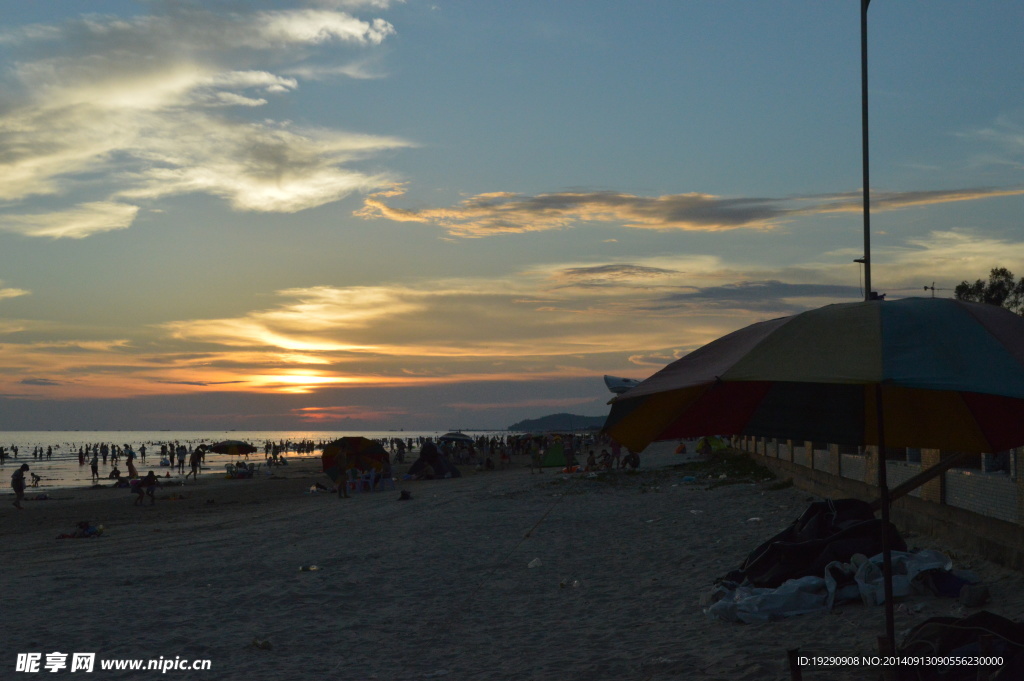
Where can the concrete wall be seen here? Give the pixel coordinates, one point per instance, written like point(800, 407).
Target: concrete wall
point(989, 494)
point(982, 512)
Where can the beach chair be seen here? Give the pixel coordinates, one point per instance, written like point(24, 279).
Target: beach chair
point(356, 482)
point(376, 481)
point(231, 470)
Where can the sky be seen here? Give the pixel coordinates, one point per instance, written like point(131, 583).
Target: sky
point(376, 214)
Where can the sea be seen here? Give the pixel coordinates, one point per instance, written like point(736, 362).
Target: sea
point(63, 471)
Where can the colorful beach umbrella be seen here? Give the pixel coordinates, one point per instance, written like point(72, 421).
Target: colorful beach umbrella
point(236, 447)
point(917, 372)
point(352, 452)
point(942, 373)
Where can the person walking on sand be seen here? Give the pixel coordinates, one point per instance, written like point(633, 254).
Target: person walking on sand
point(193, 461)
point(94, 464)
point(18, 485)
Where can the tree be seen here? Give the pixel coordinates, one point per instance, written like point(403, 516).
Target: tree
point(1001, 289)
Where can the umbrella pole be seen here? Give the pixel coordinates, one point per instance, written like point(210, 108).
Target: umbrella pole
point(883, 490)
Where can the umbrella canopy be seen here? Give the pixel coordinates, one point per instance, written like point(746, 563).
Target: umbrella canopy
point(917, 372)
point(942, 373)
point(232, 447)
point(352, 452)
point(456, 437)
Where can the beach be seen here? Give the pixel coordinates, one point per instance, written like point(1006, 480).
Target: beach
point(436, 587)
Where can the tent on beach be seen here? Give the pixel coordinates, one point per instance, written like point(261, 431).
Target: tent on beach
point(554, 454)
point(828, 531)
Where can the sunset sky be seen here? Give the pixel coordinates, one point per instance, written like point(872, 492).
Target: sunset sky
point(349, 214)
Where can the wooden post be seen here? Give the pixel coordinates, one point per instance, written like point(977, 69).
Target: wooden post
point(794, 665)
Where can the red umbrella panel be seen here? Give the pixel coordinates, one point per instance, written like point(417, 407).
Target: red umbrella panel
point(347, 453)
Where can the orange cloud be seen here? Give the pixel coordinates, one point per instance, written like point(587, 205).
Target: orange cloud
point(322, 415)
point(506, 212)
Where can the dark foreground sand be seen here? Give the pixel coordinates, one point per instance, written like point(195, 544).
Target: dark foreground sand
point(437, 587)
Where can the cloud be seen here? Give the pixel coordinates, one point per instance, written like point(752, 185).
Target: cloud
point(549, 403)
point(258, 166)
point(945, 257)
point(599, 275)
point(75, 223)
point(551, 323)
point(311, 26)
point(330, 414)
point(201, 383)
point(159, 105)
point(1006, 139)
point(202, 30)
point(882, 201)
point(362, 69)
point(769, 296)
point(39, 381)
point(656, 360)
point(316, 319)
point(506, 212)
point(356, 4)
point(12, 293)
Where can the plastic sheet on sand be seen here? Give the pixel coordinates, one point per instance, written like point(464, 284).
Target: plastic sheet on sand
point(811, 594)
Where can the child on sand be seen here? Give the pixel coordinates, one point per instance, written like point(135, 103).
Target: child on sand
point(150, 482)
point(145, 487)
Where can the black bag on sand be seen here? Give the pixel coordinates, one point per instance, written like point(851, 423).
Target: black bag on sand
point(982, 634)
point(831, 530)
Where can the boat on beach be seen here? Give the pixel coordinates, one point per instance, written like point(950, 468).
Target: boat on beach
point(620, 385)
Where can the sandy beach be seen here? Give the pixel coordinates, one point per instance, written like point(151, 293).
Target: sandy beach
point(436, 587)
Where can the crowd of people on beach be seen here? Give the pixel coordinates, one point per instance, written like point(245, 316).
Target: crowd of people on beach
point(112, 455)
point(484, 452)
point(491, 452)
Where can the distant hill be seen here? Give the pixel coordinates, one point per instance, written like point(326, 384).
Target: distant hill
point(559, 422)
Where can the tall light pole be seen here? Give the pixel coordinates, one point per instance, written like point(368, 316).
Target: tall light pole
point(868, 293)
point(883, 484)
